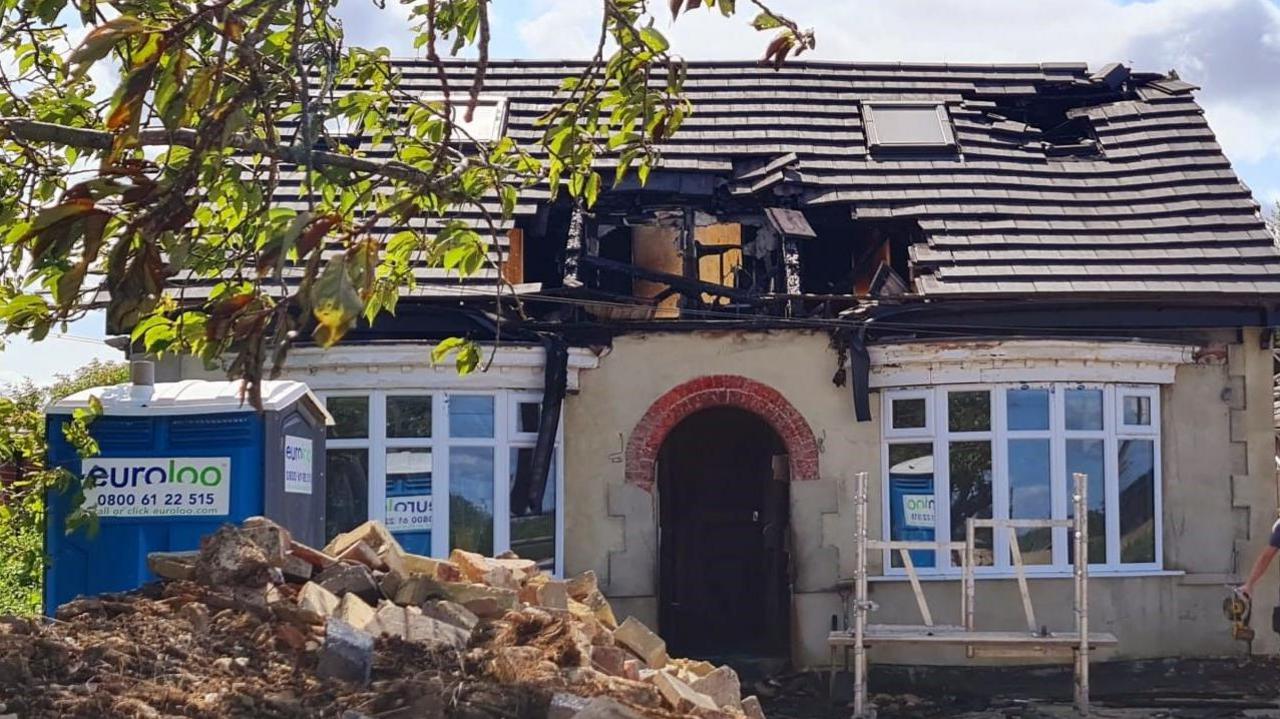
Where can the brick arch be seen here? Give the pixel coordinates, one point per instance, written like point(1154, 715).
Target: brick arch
point(720, 390)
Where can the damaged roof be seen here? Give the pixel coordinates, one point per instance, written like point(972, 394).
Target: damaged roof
point(1141, 202)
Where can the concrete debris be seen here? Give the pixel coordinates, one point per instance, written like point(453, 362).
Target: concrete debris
point(347, 653)
point(650, 647)
point(403, 634)
point(316, 603)
point(751, 708)
point(172, 565)
point(350, 579)
point(722, 686)
point(295, 569)
point(274, 540)
point(230, 557)
point(681, 696)
point(453, 613)
point(353, 610)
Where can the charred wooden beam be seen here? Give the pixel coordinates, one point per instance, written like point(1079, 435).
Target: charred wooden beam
point(686, 286)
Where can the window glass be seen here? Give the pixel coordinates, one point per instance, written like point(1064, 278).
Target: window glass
point(969, 411)
point(1137, 500)
point(970, 465)
point(1027, 409)
point(1137, 410)
point(1089, 456)
point(471, 499)
point(533, 510)
point(912, 515)
point(1084, 409)
point(409, 503)
point(908, 126)
point(528, 417)
point(910, 413)
point(409, 416)
point(471, 416)
point(346, 498)
point(350, 417)
point(1031, 496)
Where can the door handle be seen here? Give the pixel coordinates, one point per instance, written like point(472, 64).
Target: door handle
point(755, 516)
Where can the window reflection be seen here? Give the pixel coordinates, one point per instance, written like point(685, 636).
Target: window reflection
point(912, 515)
point(1084, 409)
point(533, 510)
point(1137, 500)
point(346, 498)
point(471, 499)
point(1031, 496)
point(1089, 456)
point(970, 465)
point(1028, 409)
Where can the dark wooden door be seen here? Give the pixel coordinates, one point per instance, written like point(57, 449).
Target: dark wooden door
point(722, 537)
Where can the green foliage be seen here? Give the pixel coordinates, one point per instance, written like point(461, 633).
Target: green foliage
point(23, 446)
point(173, 178)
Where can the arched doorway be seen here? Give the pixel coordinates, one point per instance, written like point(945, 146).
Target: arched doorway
point(724, 586)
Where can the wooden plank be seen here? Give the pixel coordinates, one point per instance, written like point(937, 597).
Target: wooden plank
point(1023, 652)
point(904, 544)
point(513, 264)
point(1015, 552)
point(875, 634)
point(658, 249)
point(719, 268)
point(1021, 523)
point(916, 589)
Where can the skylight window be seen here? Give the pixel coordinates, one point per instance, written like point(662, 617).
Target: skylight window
point(487, 122)
point(907, 126)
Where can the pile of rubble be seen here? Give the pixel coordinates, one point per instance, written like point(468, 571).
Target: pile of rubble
point(257, 624)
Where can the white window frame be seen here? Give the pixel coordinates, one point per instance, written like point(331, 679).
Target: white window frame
point(940, 436)
point(505, 405)
point(477, 132)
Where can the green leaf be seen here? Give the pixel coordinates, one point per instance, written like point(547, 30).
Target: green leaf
point(654, 40)
point(335, 302)
point(766, 21)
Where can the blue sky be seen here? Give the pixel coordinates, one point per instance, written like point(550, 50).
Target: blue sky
point(1229, 47)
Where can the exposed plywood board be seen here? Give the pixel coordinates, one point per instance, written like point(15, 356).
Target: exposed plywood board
point(657, 248)
point(720, 267)
point(513, 265)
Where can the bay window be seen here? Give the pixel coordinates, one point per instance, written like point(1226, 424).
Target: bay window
point(444, 470)
point(1008, 452)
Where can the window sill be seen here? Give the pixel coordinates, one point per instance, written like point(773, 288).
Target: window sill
point(1032, 576)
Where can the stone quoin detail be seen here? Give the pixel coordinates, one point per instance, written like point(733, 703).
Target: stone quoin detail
point(720, 391)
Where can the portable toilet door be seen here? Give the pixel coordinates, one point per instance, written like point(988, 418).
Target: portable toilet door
point(911, 506)
point(177, 461)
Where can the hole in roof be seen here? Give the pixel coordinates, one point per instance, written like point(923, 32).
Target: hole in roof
point(904, 125)
point(1053, 121)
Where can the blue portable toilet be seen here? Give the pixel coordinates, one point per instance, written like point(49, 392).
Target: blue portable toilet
point(911, 506)
point(178, 460)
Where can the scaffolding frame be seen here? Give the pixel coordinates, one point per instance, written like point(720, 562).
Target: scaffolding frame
point(1036, 641)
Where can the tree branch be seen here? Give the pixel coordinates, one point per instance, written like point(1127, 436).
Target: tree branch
point(85, 138)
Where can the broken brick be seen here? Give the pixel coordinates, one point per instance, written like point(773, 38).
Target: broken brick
point(582, 585)
point(554, 595)
point(450, 613)
point(610, 660)
point(347, 653)
point(722, 686)
point(372, 533)
point(634, 635)
point(172, 565)
point(274, 540)
point(228, 557)
point(316, 604)
point(681, 696)
point(752, 709)
point(353, 610)
point(295, 569)
point(484, 601)
point(362, 553)
point(344, 579)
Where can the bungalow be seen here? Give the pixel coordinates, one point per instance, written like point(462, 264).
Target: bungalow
point(968, 281)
